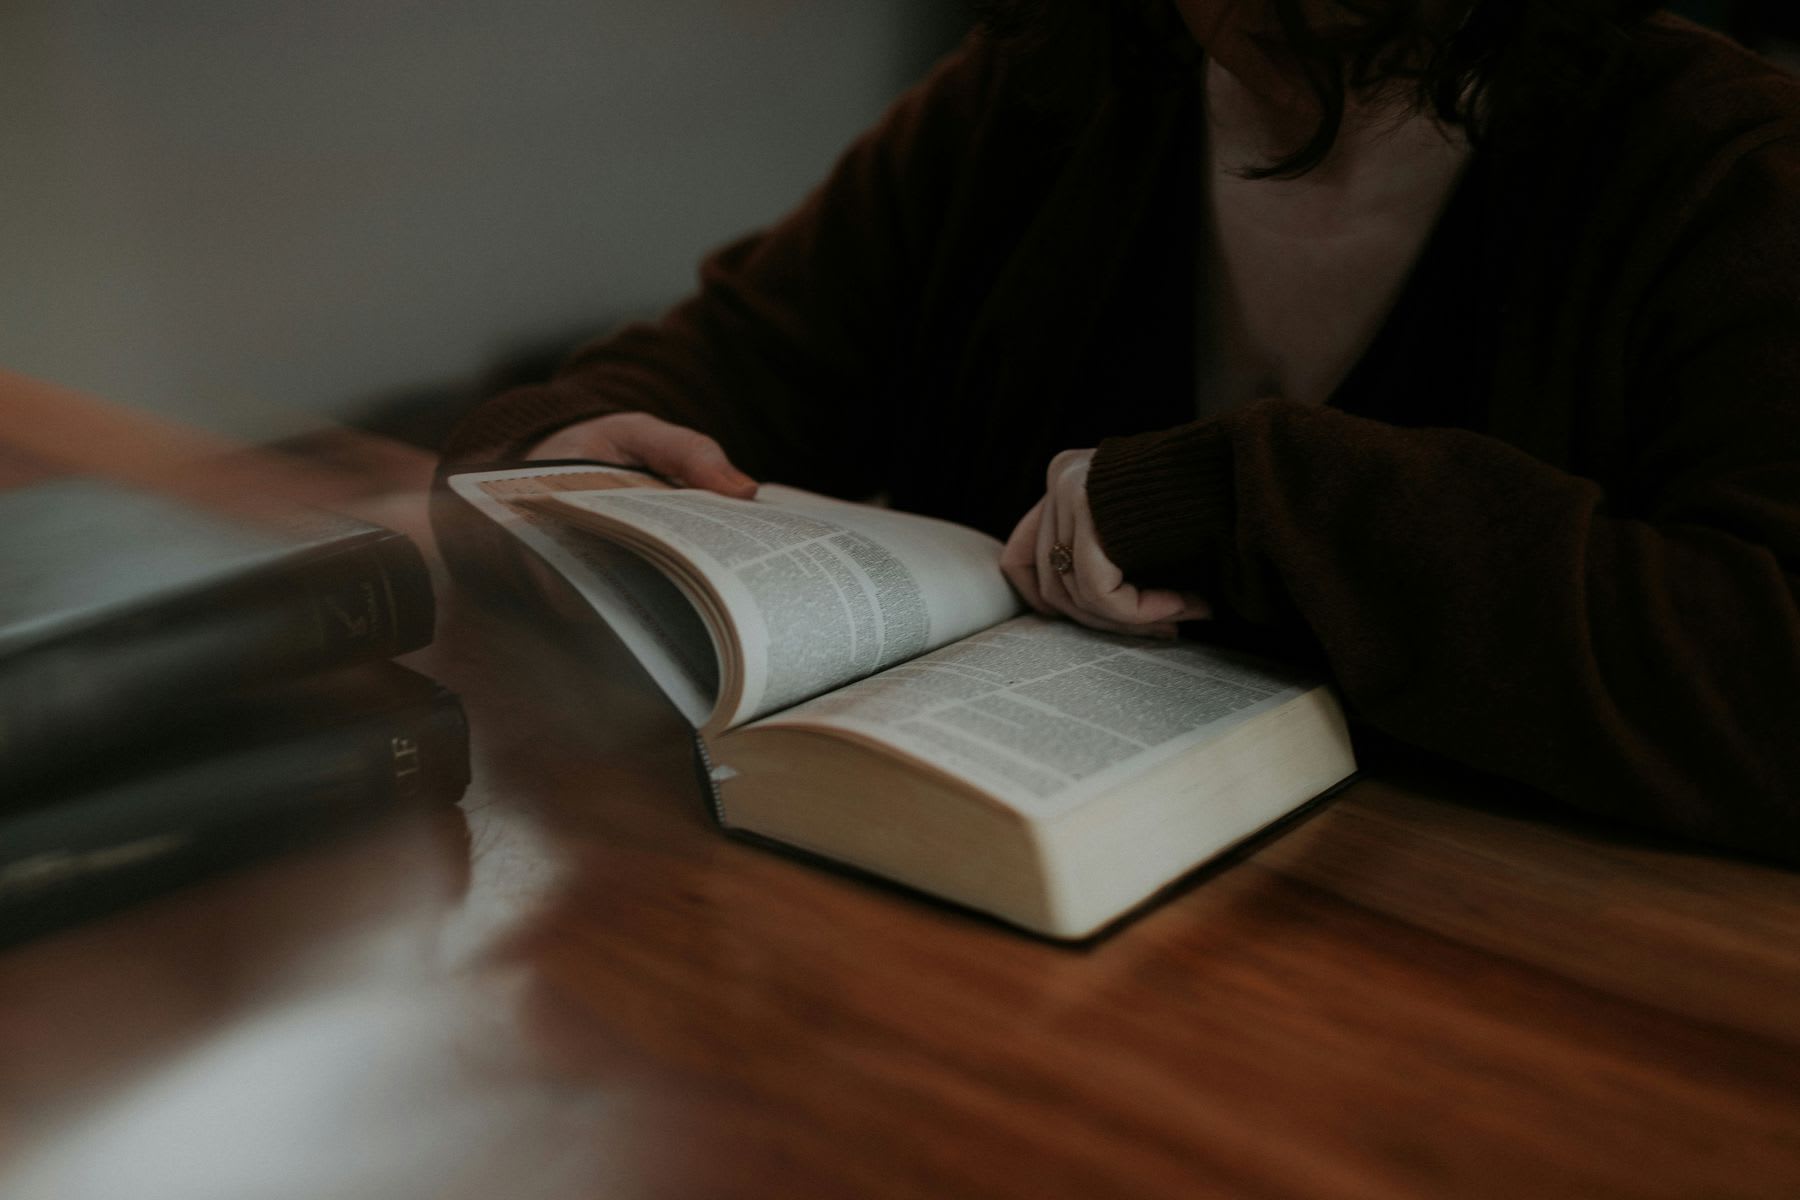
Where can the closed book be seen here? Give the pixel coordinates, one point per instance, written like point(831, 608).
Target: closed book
point(284, 767)
point(126, 613)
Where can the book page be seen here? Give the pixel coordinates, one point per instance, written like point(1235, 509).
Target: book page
point(651, 616)
point(821, 591)
point(1044, 714)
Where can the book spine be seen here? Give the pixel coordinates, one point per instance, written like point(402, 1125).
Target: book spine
point(132, 838)
point(126, 679)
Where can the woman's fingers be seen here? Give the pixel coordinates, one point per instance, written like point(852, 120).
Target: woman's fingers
point(1155, 605)
point(1097, 584)
point(1055, 560)
point(690, 458)
point(684, 456)
point(1018, 560)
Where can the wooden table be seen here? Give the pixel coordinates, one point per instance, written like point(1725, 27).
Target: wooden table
point(576, 987)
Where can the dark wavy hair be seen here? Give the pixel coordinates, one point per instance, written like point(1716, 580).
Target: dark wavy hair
point(1497, 69)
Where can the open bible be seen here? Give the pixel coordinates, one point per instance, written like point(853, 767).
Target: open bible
point(864, 687)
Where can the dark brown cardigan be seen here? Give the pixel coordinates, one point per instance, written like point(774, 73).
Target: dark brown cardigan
point(1550, 525)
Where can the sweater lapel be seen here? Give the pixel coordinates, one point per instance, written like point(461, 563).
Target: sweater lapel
point(1051, 324)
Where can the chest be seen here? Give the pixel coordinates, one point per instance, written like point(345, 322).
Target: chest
point(1298, 276)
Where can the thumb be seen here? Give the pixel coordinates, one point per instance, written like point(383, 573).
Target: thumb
point(685, 456)
point(1165, 605)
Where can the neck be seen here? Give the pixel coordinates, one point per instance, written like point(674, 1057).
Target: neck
point(1250, 125)
point(1380, 147)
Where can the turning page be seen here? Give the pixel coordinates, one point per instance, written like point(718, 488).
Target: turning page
point(819, 591)
point(643, 606)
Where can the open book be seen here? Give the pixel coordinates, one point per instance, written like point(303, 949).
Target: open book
point(864, 688)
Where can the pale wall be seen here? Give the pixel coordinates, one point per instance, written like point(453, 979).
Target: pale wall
point(216, 208)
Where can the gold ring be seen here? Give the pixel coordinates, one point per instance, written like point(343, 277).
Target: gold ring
point(1062, 559)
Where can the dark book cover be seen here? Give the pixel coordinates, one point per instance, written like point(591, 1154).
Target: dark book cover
point(126, 613)
point(285, 766)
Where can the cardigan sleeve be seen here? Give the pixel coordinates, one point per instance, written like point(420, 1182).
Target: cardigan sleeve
point(1636, 655)
point(784, 348)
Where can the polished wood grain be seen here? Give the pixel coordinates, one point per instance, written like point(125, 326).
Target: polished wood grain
point(575, 986)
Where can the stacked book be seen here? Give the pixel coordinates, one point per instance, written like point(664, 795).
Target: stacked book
point(181, 692)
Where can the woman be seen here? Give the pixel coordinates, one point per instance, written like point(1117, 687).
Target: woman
point(1453, 342)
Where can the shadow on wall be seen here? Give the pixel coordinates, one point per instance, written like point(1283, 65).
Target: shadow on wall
point(251, 216)
point(424, 415)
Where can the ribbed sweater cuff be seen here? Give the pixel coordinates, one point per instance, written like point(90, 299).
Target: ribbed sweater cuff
point(1160, 499)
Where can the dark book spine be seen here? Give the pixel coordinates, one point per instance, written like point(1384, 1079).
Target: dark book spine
point(130, 837)
point(118, 683)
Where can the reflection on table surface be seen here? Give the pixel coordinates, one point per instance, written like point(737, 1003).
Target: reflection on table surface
point(575, 986)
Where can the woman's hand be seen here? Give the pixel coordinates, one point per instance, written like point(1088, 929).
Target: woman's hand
point(683, 456)
point(1054, 560)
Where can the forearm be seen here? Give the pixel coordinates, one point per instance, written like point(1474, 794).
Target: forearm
point(1476, 602)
